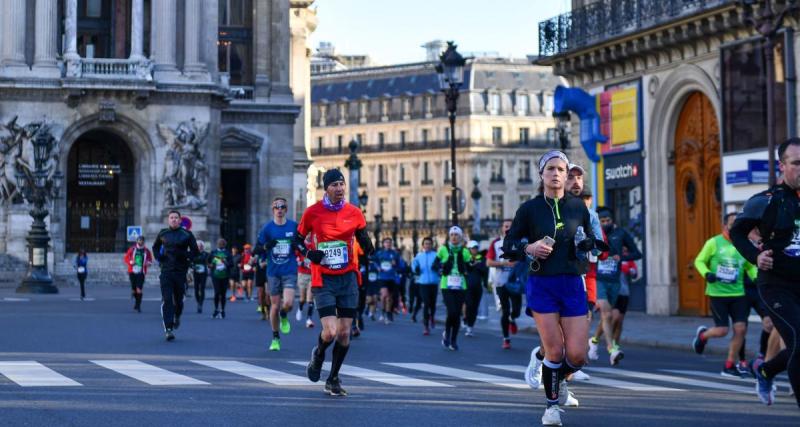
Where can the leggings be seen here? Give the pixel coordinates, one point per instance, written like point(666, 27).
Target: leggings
point(220, 292)
point(82, 280)
point(173, 285)
point(473, 300)
point(414, 298)
point(429, 294)
point(453, 300)
point(200, 287)
point(783, 304)
point(511, 305)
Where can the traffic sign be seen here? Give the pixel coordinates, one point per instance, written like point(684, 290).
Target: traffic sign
point(134, 232)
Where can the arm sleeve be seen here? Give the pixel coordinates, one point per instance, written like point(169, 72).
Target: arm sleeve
point(194, 251)
point(701, 262)
point(157, 247)
point(362, 237)
point(262, 236)
point(745, 222)
point(633, 251)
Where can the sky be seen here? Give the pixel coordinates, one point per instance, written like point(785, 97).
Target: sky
point(392, 31)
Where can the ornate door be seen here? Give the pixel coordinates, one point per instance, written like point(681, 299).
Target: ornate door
point(697, 195)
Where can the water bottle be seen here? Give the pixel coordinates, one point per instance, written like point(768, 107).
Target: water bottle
point(580, 236)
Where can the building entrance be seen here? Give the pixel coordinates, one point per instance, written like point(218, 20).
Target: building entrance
point(100, 193)
point(234, 208)
point(697, 195)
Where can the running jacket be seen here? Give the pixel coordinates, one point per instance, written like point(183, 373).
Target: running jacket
point(130, 258)
point(776, 214)
point(541, 217)
point(720, 257)
point(453, 261)
point(608, 269)
point(174, 249)
point(423, 268)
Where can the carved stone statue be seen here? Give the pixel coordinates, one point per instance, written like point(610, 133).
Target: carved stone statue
point(16, 157)
point(185, 174)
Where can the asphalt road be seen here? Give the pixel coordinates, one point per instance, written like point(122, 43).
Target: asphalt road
point(113, 367)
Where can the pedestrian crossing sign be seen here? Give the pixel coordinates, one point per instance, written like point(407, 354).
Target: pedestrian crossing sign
point(134, 231)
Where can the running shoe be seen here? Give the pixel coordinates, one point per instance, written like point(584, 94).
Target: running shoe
point(222, 314)
point(309, 323)
point(468, 332)
point(445, 341)
point(176, 323)
point(354, 332)
point(744, 370)
point(169, 334)
point(512, 327)
point(215, 315)
point(372, 316)
point(533, 373)
point(580, 376)
point(275, 345)
point(453, 347)
point(506, 344)
point(552, 416)
point(199, 310)
point(260, 309)
point(334, 387)
point(698, 344)
point(615, 355)
point(299, 315)
point(563, 392)
point(314, 367)
point(286, 327)
point(763, 385)
point(730, 372)
point(426, 332)
point(571, 401)
point(593, 349)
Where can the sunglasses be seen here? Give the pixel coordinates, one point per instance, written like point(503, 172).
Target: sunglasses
point(279, 207)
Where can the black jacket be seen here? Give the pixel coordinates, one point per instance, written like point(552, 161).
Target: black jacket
point(477, 272)
point(539, 217)
point(618, 239)
point(776, 214)
point(175, 249)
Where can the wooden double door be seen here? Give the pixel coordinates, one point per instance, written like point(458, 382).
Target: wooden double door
point(698, 195)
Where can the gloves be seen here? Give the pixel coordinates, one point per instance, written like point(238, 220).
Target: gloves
point(315, 256)
point(271, 244)
point(711, 277)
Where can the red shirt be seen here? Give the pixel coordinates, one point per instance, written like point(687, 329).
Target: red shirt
point(334, 234)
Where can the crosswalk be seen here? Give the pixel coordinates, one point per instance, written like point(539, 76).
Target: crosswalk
point(30, 373)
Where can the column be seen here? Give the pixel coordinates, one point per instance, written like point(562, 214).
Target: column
point(137, 30)
point(71, 57)
point(191, 62)
point(12, 56)
point(162, 48)
point(44, 63)
point(280, 46)
point(263, 47)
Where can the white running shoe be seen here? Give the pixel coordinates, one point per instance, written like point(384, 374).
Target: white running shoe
point(580, 376)
point(571, 402)
point(616, 355)
point(593, 354)
point(299, 315)
point(309, 323)
point(552, 416)
point(468, 332)
point(563, 392)
point(533, 373)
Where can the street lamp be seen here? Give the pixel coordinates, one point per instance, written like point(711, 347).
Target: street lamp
point(362, 200)
point(354, 164)
point(561, 133)
point(395, 229)
point(768, 23)
point(476, 206)
point(38, 186)
point(378, 219)
point(451, 75)
point(414, 237)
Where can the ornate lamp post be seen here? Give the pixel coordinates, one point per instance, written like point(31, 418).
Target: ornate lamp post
point(768, 23)
point(451, 77)
point(378, 219)
point(395, 229)
point(476, 206)
point(354, 164)
point(38, 187)
point(362, 199)
point(414, 236)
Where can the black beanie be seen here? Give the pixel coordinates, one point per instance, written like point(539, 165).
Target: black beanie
point(331, 176)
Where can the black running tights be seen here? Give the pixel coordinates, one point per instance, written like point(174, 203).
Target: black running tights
point(783, 304)
point(453, 300)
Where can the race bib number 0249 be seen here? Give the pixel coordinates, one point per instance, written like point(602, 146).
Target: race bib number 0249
point(336, 256)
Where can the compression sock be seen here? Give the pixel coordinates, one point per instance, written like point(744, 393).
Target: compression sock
point(302, 304)
point(339, 352)
point(276, 335)
point(568, 368)
point(282, 313)
point(322, 345)
point(762, 347)
point(310, 309)
point(550, 377)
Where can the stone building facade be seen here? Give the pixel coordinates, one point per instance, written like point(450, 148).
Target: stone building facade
point(154, 105)
point(398, 116)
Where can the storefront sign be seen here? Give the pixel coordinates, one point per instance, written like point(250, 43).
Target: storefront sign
point(624, 170)
point(621, 117)
point(737, 178)
point(759, 171)
point(96, 175)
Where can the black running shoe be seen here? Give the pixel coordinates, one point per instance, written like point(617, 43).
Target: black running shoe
point(698, 344)
point(222, 313)
point(314, 368)
point(334, 387)
point(170, 336)
point(731, 372)
point(176, 323)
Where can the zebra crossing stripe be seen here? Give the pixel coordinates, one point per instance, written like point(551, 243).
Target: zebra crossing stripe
point(750, 380)
point(606, 382)
point(462, 374)
point(147, 373)
point(675, 380)
point(255, 372)
point(29, 373)
point(381, 377)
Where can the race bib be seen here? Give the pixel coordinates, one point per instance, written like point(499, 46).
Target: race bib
point(335, 254)
point(248, 267)
point(81, 270)
point(219, 266)
point(372, 276)
point(727, 274)
point(282, 248)
point(136, 269)
point(607, 267)
point(200, 268)
point(386, 265)
point(454, 282)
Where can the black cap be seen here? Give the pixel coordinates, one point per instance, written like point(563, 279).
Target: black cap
point(331, 176)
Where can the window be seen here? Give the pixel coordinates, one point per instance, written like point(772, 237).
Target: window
point(382, 206)
point(319, 144)
point(403, 180)
point(446, 170)
point(447, 207)
point(402, 139)
point(425, 133)
point(383, 176)
point(403, 205)
point(524, 171)
point(342, 113)
point(339, 143)
point(426, 177)
point(427, 201)
point(360, 139)
point(381, 140)
point(94, 8)
point(497, 206)
point(496, 168)
point(446, 134)
point(522, 104)
point(547, 104)
point(235, 53)
point(497, 135)
point(524, 136)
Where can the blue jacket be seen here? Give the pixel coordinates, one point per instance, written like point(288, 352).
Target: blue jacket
point(423, 263)
point(392, 258)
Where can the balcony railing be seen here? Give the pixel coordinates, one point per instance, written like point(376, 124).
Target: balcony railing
point(432, 145)
point(606, 19)
point(243, 93)
point(111, 68)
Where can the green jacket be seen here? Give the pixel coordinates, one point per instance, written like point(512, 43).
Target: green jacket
point(444, 254)
point(720, 257)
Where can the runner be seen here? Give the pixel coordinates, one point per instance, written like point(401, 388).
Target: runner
point(174, 247)
point(335, 226)
point(276, 237)
point(235, 274)
point(261, 280)
point(304, 288)
point(476, 281)
point(388, 262)
point(82, 270)
point(363, 273)
point(453, 259)
point(428, 279)
point(510, 302)
point(373, 290)
point(546, 228)
point(248, 266)
point(754, 303)
point(200, 275)
point(776, 214)
point(220, 262)
point(137, 259)
point(608, 280)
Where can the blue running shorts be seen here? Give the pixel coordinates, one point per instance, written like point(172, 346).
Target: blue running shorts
point(564, 294)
